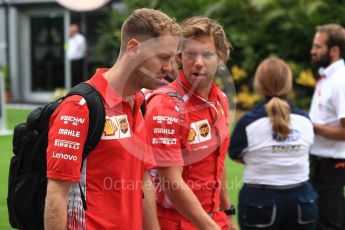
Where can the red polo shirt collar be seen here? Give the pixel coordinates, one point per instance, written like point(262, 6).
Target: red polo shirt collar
point(109, 95)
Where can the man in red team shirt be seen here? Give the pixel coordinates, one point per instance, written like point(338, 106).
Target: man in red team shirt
point(111, 176)
point(188, 126)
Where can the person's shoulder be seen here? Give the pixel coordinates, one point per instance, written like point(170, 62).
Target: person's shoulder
point(256, 113)
point(74, 99)
point(74, 102)
point(80, 37)
point(165, 94)
point(300, 112)
point(252, 116)
point(163, 99)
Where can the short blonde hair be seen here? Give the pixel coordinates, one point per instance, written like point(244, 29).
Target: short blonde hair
point(203, 26)
point(146, 23)
point(273, 79)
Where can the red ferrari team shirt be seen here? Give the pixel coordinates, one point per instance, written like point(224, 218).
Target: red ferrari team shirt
point(111, 177)
point(201, 149)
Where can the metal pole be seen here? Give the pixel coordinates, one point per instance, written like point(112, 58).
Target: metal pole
point(68, 76)
point(3, 120)
point(7, 34)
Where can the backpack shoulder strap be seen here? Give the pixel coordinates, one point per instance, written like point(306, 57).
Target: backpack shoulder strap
point(96, 114)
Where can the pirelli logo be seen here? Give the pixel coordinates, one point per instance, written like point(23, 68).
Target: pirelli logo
point(164, 141)
point(67, 144)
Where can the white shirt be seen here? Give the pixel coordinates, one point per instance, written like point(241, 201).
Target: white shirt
point(328, 107)
point(76, 47)
point(267, 160)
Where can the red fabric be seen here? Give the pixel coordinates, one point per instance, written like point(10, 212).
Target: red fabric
point(170, 219)
point(202, 152)
point(113, 170)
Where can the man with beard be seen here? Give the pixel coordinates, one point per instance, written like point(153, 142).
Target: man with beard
point(188, 127)
point(327, 113)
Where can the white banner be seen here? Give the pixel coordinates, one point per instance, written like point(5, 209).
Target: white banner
point(82, 5)
point(3, 117)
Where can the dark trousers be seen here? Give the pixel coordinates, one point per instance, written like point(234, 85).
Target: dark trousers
point(77, 71)
point(271, 209)
point(328, 179)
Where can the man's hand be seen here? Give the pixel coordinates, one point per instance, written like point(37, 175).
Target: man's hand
point(232, 224)
point(183, 199)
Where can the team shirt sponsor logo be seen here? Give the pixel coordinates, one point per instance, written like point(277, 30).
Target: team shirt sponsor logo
point(198, 148)
point(64, 156)
point(67, 144)
point(167, 119)
point(124, 125)
point(163, 131)
point(199, 132)
point(294, 135)
point(164, 141)
point(109, 128)
point(191, 135)
point(73, 120)
point(116, 127)
point(82, 101)
point(286, 148)
point(204, 129)
point(69, 132)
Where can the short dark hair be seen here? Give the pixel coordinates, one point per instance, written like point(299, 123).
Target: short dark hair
point(336, 36)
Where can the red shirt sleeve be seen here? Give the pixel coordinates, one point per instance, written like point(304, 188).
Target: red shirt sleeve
point(163, 131)
point(68, 129)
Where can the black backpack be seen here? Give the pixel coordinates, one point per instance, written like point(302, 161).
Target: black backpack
point(27, 182)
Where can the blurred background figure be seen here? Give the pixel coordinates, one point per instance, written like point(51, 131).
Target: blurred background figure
point(76, 51)
point(273, 141)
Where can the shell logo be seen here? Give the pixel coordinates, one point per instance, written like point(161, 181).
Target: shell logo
point(204, 130)
point(109, 128)
point(123, 126)
point(191, 135)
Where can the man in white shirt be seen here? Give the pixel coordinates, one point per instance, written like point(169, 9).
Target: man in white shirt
point(76, 52)
point(327, 113)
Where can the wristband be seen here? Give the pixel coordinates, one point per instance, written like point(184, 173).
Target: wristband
point(230, 211)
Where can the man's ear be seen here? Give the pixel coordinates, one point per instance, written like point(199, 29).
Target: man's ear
point(133, 46)
point(178, 58)
point(334, 53)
